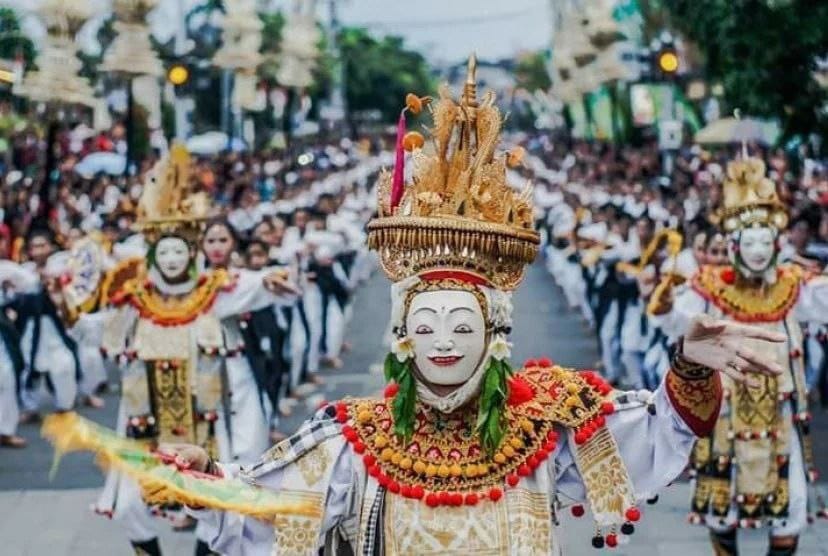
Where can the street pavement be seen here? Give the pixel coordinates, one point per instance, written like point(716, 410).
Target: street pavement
point(50, 516)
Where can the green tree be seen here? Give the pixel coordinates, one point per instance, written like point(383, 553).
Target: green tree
point(13, 42)
point(531, 72)
point(764, 52)
point(380, 72)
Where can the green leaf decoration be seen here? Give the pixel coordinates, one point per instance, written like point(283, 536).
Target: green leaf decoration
point(403, 407)
point(404, 404)
point(491, 424)
point(388, 367)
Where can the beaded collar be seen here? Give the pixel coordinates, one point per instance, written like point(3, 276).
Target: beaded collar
point(444, 464)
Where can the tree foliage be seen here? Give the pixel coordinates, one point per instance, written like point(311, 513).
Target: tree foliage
point(531, 72)
point(764, 52)
point(379, 72)
point(12, 40)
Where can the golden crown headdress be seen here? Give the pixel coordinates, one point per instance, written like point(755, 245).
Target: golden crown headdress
point(168, 204)
point(457, 213)
point(749, 197)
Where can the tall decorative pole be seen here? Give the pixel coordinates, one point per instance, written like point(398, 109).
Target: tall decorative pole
point(57, 82)
point(131, 55)
point(338, 102)
point(239, 57)
point(298, 54)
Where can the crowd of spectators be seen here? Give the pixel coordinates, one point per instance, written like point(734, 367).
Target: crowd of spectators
point(625, 183)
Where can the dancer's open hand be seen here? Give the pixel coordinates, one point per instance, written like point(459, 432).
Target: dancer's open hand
point(722, 345)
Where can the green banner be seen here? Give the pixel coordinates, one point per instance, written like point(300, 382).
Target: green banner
point(580, 122)
point(599, 104)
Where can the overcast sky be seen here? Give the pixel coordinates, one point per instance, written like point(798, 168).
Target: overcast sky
point(444, 30)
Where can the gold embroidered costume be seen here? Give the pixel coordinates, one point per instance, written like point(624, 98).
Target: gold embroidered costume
point(484, 468)
point(409, 474)
point(171, 341)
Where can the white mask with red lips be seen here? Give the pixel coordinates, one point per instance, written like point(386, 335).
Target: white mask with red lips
point(753, 252)
point(448, 339)
point(449, 335)
point(172, 257)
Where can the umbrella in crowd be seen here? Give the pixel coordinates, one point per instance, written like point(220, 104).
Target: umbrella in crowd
point(101, 162)
point(738, 130)
point(213, 142)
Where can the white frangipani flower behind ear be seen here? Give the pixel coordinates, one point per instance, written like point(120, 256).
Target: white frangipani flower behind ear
point(403, 348)
point(499, 348)
point(398, 292)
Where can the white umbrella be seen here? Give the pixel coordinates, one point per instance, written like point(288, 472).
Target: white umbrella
point(213, 142)
point(101, 162)
point(738, 130)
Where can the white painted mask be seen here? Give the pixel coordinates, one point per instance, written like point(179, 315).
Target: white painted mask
point(449, 335)
point(757, 247)
point(172, 257)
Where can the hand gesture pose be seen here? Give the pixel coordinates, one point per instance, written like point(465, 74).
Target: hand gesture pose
point(722, 345)
point(279, 282)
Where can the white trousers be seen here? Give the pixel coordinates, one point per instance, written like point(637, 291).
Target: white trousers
point(335, 335)
point(610, 348)
point(248, 423)
point(88, 334)
point(297, 342)
point(312, 301)
point(52, 358)
point(64, 383)
point(9, 410)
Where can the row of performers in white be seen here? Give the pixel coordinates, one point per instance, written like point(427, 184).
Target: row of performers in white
point(58, 305)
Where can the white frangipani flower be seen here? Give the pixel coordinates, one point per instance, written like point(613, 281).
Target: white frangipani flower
point(499, 348)
point(403, 348)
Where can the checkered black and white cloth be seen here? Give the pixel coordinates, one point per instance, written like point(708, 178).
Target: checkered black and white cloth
point(313, 432)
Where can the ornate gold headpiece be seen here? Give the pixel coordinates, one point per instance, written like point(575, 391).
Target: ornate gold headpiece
point(457, 213)
point(749, 197)
point(168, 205)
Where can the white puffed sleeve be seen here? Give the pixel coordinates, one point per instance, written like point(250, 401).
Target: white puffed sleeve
point(230, 533)
point(248, 294)
point(653, 441)
point(812, 305)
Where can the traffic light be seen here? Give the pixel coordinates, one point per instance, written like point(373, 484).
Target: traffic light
point(668, 61)
point(178, 75)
